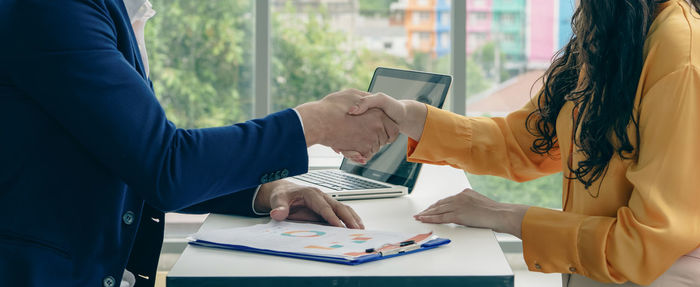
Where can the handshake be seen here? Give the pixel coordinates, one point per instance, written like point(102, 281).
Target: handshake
point(357, 123)
point(353, 123)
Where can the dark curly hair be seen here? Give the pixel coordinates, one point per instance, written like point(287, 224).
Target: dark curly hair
point(607, 48)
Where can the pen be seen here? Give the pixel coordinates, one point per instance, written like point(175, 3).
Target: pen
point(404, 246)
point(399, 250)
point(379, 249)
point(393, 250)
point(407, 242)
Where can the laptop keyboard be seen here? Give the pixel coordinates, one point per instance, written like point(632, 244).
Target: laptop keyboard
point(338, 180)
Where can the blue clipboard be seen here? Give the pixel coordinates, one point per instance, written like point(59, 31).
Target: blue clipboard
point(354, 261)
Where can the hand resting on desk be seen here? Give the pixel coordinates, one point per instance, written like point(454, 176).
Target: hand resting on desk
point(286, 200)
point(468, 208)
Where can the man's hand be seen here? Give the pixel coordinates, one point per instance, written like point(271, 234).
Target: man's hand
point(327, 122)
point(409, 115)
point(470, 208)
point(286, 200)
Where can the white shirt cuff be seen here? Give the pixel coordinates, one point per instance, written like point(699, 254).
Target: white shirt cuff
point(301, 122)
point(252, 206)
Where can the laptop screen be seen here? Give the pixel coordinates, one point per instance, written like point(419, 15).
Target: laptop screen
point(389, 164)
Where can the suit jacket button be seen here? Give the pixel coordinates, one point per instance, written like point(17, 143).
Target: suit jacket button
point(128, 217)
point(108, 281)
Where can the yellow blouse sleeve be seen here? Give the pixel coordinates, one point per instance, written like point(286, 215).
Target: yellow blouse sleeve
point(495, 146)
point(661, 221)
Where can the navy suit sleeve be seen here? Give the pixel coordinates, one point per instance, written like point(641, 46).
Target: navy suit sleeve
point(68, 60)
point(238, 203)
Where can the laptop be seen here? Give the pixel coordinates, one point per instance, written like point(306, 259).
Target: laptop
point(387, 174)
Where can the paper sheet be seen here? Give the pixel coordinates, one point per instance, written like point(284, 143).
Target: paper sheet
point(309, 238)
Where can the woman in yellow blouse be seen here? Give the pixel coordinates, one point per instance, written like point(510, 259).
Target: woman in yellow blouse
point(629, 82)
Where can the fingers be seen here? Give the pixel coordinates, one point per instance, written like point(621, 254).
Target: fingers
point(381, 140)
point(357, 156)
point(304, 214)
point(437, 219)
point(375, 134)
point(368, 155)
point(332, 211)
point(443, 211)
point(354, 156)
point(373, 121)
point(356, 92)
point(357, 218)
point(382, 135)
point(316, 201)
point(291, 201)
point(440, 209)
point(451, 200)
point(346, 214)
point(468, 208)
point(280, 202)
point(377, 100)
point(346, 98)
point(440, 202)
point(386, 133)
point(391, 129)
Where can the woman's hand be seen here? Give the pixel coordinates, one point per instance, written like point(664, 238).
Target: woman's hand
point(328, 122)
point(286, 200)
point(470, 208)
point(409, 115)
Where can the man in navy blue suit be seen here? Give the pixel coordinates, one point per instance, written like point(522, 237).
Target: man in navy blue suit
point(89, 162)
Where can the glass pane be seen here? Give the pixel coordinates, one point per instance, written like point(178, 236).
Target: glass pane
point(321, 46)
point(200, 55)
point(510, 44)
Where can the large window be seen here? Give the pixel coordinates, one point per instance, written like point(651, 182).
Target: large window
point(203, 53)
point(203, 57)
point(201, 64)
point(323, 46)
point(505, 59)
point(200, 58)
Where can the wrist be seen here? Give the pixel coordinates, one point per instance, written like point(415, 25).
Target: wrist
point(311, 122)
point(261, 203)
point(257, 210)
point(512, 219)
point(414, 119)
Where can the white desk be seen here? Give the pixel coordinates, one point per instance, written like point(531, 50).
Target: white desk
point(474, 257)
